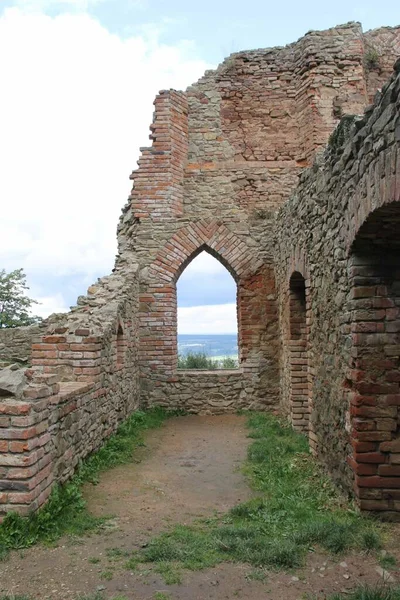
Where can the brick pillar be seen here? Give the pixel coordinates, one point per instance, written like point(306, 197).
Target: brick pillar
point(374, 381)
point(26, 475)
point(158, 191)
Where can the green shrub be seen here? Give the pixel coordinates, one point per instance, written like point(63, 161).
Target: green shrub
point(196, 360)
point(201, 360)
point(372, 59)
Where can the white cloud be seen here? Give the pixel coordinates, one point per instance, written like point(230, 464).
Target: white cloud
point(205, 263)
point(216, 319)
point(76, 104)
point(43, 5)
point(48, 305)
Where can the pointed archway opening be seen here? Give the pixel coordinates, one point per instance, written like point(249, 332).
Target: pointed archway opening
point(207, 332)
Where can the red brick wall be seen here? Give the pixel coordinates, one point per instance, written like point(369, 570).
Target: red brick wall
point(375, 377)
point(237, 141)
point(341, 229)
point(298, 347)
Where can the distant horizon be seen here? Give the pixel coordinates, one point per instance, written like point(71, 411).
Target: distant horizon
point(212, 344)
point(198, 334)
point(207, 334)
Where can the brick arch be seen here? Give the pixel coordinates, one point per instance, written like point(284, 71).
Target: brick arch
point(210, 235)
point(216, 255)
point(373, 376)
point(379, 187)
point(298, 263)
point(158, 300)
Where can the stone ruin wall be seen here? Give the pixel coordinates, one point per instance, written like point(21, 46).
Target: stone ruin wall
point(82, 384)
point(339, 234)
point(225, 155)
point(16, 344)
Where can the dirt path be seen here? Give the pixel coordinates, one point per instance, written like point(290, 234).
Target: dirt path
point(189, 469)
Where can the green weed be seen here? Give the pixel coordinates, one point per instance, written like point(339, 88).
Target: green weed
point(387, 561)
point(12, 597)
point(65, 511)
point(297, 509)
point(161, 596)
point(370, 593)
point(95, 596)
point(115, 554)
point(106, 575)
point(256, 575)
point(169, 572)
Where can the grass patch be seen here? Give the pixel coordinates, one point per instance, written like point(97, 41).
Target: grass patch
point(370, 593)
point(297, 509)
point(256, 575)
point(65, 511)
point(388, 561)
point(169, 572)
point(106, 575)
point(6, 597)
point(116, 554)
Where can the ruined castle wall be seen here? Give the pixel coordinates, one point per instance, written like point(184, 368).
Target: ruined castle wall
point(16, 343)
point(381, 50)
point(351, 193)
point(226, 154)
point(82, 385)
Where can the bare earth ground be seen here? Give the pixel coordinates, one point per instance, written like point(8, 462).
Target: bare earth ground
point(189, 469)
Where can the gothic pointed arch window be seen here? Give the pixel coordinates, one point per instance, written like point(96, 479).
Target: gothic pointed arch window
point(207, 329)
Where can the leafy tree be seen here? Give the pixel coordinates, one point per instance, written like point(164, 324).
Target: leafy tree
point(15, 306)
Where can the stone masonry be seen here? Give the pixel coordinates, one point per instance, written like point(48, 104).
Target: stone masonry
point(339, 236)
point(16, 343)
point(317, 278)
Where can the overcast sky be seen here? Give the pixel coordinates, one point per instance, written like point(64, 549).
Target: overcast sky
point(78, 79)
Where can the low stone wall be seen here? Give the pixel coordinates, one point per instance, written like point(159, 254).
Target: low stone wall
point(82, 385)
point(16, 343)
point(210, 392)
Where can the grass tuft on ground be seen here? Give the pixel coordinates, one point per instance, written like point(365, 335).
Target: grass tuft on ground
point(65, 511)
point(370, 593)
point(297, 509)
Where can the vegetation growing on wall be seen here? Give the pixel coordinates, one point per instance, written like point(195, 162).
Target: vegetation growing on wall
point(372, 59)
point(340, 135)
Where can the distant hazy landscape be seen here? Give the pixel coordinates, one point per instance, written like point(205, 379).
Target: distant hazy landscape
point(215, 346)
